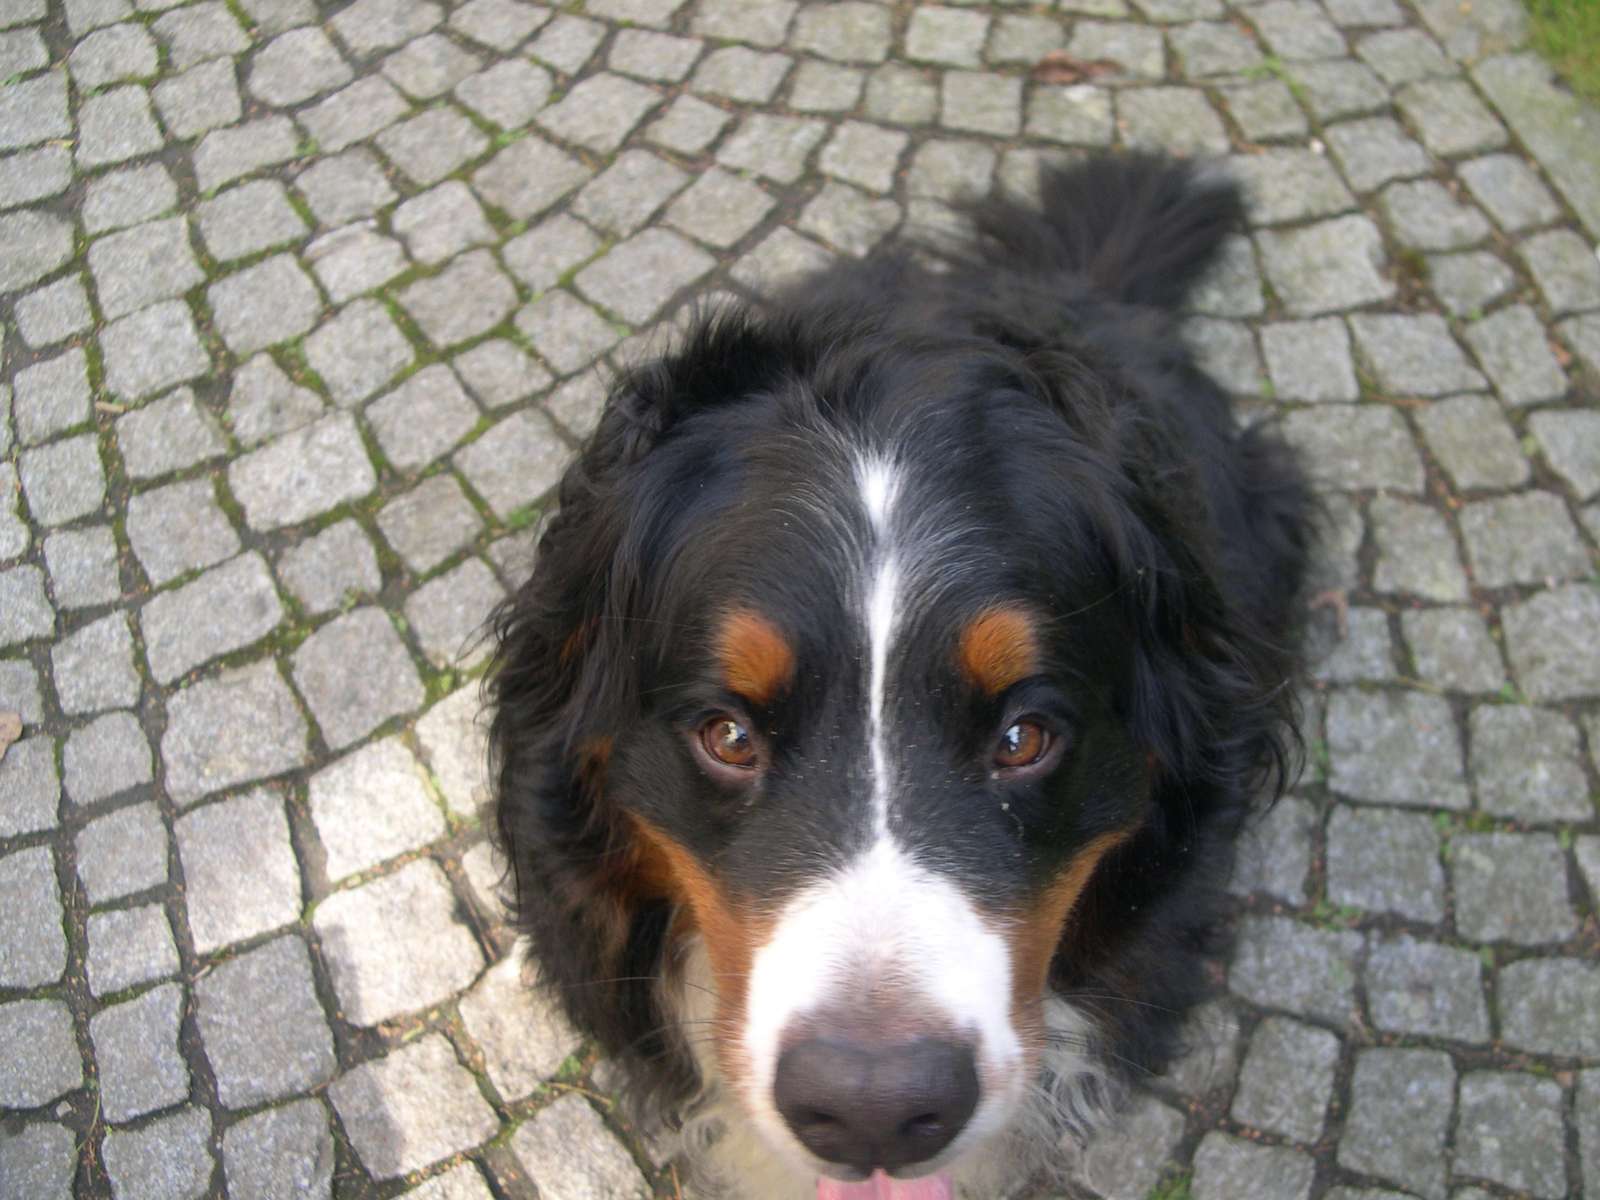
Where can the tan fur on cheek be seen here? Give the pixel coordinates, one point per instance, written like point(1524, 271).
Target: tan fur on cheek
point(1036, 932)
point(997, 649)
point(730, 926)
point(757, 660)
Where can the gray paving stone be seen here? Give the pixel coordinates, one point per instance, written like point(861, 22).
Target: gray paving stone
point(129, 946)
point(200, 32)
point(507, 93)
point(450, 614)
point(245, 220)
point(203, 98)
point(19, 690)
point(411, 1108)
point(347, 706)
point(178, 529)
point(1511, 191)
point(1449, 117)
point(1287, 1080)
point(568, 1135)
point(1473, 443)
point(499, 24)
point(1511, 887)
point(825, 88)
point(468, 298)
point(330, 569)
point(1362, 652)
point(485, 872)
point(1582, 334)
point(63, 480)
point(1395, 748)
point(1232, 285)
point(296, 66)
point(34, 110)
point(1297, 29)
point(42, 1060)
point(1452, 649)
point(23, 50)
point(122, 853)
point(1570, 442)
point(241, 726)
point(1079, 115)
point(265, 403)
point(114, 126)
point(239, 870)
point(1403, 56)
point(653, 13)
point(1226, 351)
point(1281, 963)
point(1129, 1159)
point(1525, 764)
point(353, 184)
point(264, 1032)
point(370, 806)
point(1413, 355)
point(1416, 553)
point(1230, 1168)
point(527, 177)
point(302, 474)
point(689, 125)
point(1385, 861)
point(441, 222)
point(51, 397)
point(39, 1160)
point(979, 102)
point(1330, 265)
point(1525, 538)
point(32, 245)
point(225, 609)
point(1366, 446)
point(355, 259)
point(429, 146)
point(136, 1053)
point(1374, 151)
point(599, 112)
point(1338, 88)
point(371, 25)
point(1550, 1006)
point(167, 435)
point(269, 302)
point(453, 739)
point(901, 96)
point(499, 372)
point(1310, 360)
point(950, 170)
point(428, 524)
point(357, 352)
point(1210, 1051)
point(1588, 1122)
point(423, 418)
point(719, 208)
point(108, 755)
point(285, 1151)
point(946, 36)
point(33, 950)
point(394, 945)
point(1425, 216)
point(567, 43)
point(775, 148)
point(429, 66)
point(1425, 989)
point(568, 333)
point(1565, 269)
point(368, 106)
point(25, 612)
point(741, 74)
point(848, 219)
point(83, 566)
point(32, 790)
point(1400, 1111)
point(759, 22)
point(523, 1037)
point(639, 276)
point(1174, 119)
point(93, 667)
point(1210, 48)
point(1137, 49)
point(1510, 1132)
point(169, 1158)
point(224, 155)
point(139, 266)
point(54, 312)
point(1511, 346)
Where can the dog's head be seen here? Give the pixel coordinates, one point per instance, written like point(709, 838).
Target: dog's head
point(860, 664)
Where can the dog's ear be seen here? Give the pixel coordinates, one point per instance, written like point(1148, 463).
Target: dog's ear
point(560, 690)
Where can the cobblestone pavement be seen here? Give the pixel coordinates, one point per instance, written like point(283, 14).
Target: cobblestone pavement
point(304, 308)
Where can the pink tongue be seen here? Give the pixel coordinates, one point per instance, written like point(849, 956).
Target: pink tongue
point(881, 1187)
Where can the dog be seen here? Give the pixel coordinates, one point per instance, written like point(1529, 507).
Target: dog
point(906, 652)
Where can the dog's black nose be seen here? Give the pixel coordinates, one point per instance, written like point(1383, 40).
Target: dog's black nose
point(867, 1107)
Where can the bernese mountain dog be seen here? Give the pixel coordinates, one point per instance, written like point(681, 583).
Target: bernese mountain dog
point(907, 650)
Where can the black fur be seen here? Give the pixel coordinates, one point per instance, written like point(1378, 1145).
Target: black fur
point(1038, 376)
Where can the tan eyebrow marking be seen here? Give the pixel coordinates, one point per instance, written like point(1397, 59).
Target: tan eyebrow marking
point(998, 648)
point(757, 660)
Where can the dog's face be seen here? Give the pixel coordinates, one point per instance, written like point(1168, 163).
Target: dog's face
point(875, 746)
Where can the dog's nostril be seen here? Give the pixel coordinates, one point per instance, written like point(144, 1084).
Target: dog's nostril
point(876, 1106)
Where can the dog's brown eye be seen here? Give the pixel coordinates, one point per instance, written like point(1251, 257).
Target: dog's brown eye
point(1022, 744)
point(729, 742)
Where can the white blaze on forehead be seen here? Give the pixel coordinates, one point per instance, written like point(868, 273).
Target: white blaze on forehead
point(879, 483)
